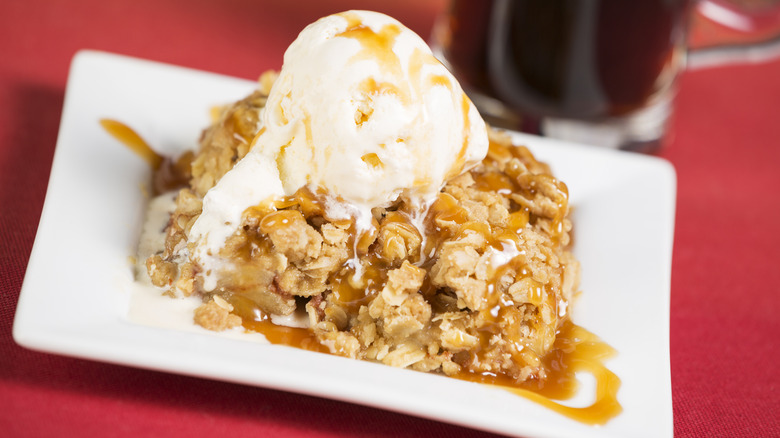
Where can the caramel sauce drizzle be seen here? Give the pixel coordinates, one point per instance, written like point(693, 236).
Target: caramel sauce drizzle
point(439, 80)
point(417, 61)
point(280, 158)
point(168, 173)
point(460, 160)
point(370, 86)
point(575, 350)
point(255, 320)
point(375, 46)
point(133, 141)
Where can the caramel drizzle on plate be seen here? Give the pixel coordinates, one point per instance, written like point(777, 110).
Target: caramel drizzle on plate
point(168, 173)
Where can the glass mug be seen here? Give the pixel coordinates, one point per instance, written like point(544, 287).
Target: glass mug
point(602, 72)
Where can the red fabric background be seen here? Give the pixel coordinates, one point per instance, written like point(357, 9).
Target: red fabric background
point(725, 147)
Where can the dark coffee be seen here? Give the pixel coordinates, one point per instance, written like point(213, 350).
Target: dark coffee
point(585, 59)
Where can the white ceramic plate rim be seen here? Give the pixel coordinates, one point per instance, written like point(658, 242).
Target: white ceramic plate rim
point(75, 295)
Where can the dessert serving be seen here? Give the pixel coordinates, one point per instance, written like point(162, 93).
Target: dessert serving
point(357, 204)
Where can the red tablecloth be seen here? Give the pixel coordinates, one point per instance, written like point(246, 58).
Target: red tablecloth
point(724, 306)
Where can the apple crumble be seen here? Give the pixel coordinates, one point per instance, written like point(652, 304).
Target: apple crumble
point(479, 282)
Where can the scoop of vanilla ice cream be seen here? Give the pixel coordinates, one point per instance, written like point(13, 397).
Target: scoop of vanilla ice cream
point(363, 109)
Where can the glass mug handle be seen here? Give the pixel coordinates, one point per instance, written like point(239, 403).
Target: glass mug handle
point(733, 31)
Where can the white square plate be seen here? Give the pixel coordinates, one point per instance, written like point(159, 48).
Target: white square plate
point(76, 293)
